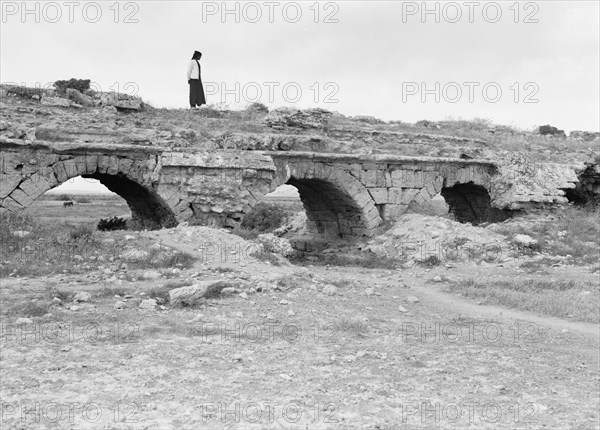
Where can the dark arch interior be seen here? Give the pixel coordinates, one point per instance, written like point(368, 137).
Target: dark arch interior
point(148, 210)
point(472, 203)
point(329, 210)
point(577, 197)
point(586, 190)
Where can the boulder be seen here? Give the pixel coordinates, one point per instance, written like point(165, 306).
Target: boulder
point(121, 101)
point(294, 118)
point(148, 304)
point(55, 101)
point(82, 296)
point(79, 98)
point(189, 296)
point(274, 244)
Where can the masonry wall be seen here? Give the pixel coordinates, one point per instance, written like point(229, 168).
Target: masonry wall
point(344, 195)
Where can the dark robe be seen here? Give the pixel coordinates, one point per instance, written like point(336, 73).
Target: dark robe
point(197, 97)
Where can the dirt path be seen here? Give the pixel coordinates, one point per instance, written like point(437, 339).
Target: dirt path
point(355, 359)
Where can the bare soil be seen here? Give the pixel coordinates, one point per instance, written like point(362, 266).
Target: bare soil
point(368, 356)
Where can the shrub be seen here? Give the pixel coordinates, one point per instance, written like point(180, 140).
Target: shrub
point(264, 217)
point(80, 85)
point(550, 130)
point(64, 197)
point(430, 261)
point(426, 123)
point(111, 291)
point(110, 224)
point(83, 200)
point(257, 108)
point(24, 92)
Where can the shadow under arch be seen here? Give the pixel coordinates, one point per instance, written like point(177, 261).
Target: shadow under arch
point(330, 210)
point(148, 210)
point(471, 203)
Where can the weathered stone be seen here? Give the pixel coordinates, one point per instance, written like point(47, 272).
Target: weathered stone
point(147, 304)
point(79, 98)
point(55, 101)
point(379, 195)
point(82, 296)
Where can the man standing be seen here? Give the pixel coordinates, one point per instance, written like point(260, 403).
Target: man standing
point(197, 98)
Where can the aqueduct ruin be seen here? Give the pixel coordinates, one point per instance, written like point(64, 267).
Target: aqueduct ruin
point(344, 195)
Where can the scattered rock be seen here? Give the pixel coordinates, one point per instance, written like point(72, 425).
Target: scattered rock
point(82, 296)
point(122, 102)
point(412, 299)
point(274, 244)
point(285, 117)
point(23, 321)
point(21, 233)
point(150, 275)
point(55, 101)
point(525, 241)
point(134, 255)
point(244, 295)
point(437, 279)
point(79, 98)
point(228, 291)
point(148, 304)
point(189, 296)
point(330, 290)
point(120, 304)
point(402, 309)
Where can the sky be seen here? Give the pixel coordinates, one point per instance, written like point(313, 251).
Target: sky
point(523, 64)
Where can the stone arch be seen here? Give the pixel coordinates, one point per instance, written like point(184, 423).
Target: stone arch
point(336, 203)
point(130, 178)
point(470, 202)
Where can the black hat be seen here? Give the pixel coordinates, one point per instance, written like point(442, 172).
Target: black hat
point(197, 54)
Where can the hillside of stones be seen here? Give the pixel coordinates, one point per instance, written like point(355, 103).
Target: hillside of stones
point(30, 114)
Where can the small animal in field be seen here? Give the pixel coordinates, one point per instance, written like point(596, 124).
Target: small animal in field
point(67, 204)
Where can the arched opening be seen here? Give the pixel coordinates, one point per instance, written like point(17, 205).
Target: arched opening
point(78, 201)
point(318, 214)
point(472, 203)
point(87, 199)
point(587, 190)
point(148, 210)
point(330, 211)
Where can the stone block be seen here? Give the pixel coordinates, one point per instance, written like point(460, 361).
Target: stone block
point(59, 171)
point(394, 195)
point(8, 183)
point(379, 195)
point(408, 195)
point(368, 178)
point(11, 204)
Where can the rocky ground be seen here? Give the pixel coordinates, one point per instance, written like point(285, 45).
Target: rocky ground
point(31, 114)
point(268, 344)
point(194, 327)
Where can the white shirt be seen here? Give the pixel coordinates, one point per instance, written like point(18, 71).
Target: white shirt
point(193, 71)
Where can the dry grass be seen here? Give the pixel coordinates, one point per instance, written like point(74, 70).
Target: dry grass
point(558, 298)
point(61, 247)
point(572, 232)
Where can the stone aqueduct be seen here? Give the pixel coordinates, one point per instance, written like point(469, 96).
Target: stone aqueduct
point(344, 195)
